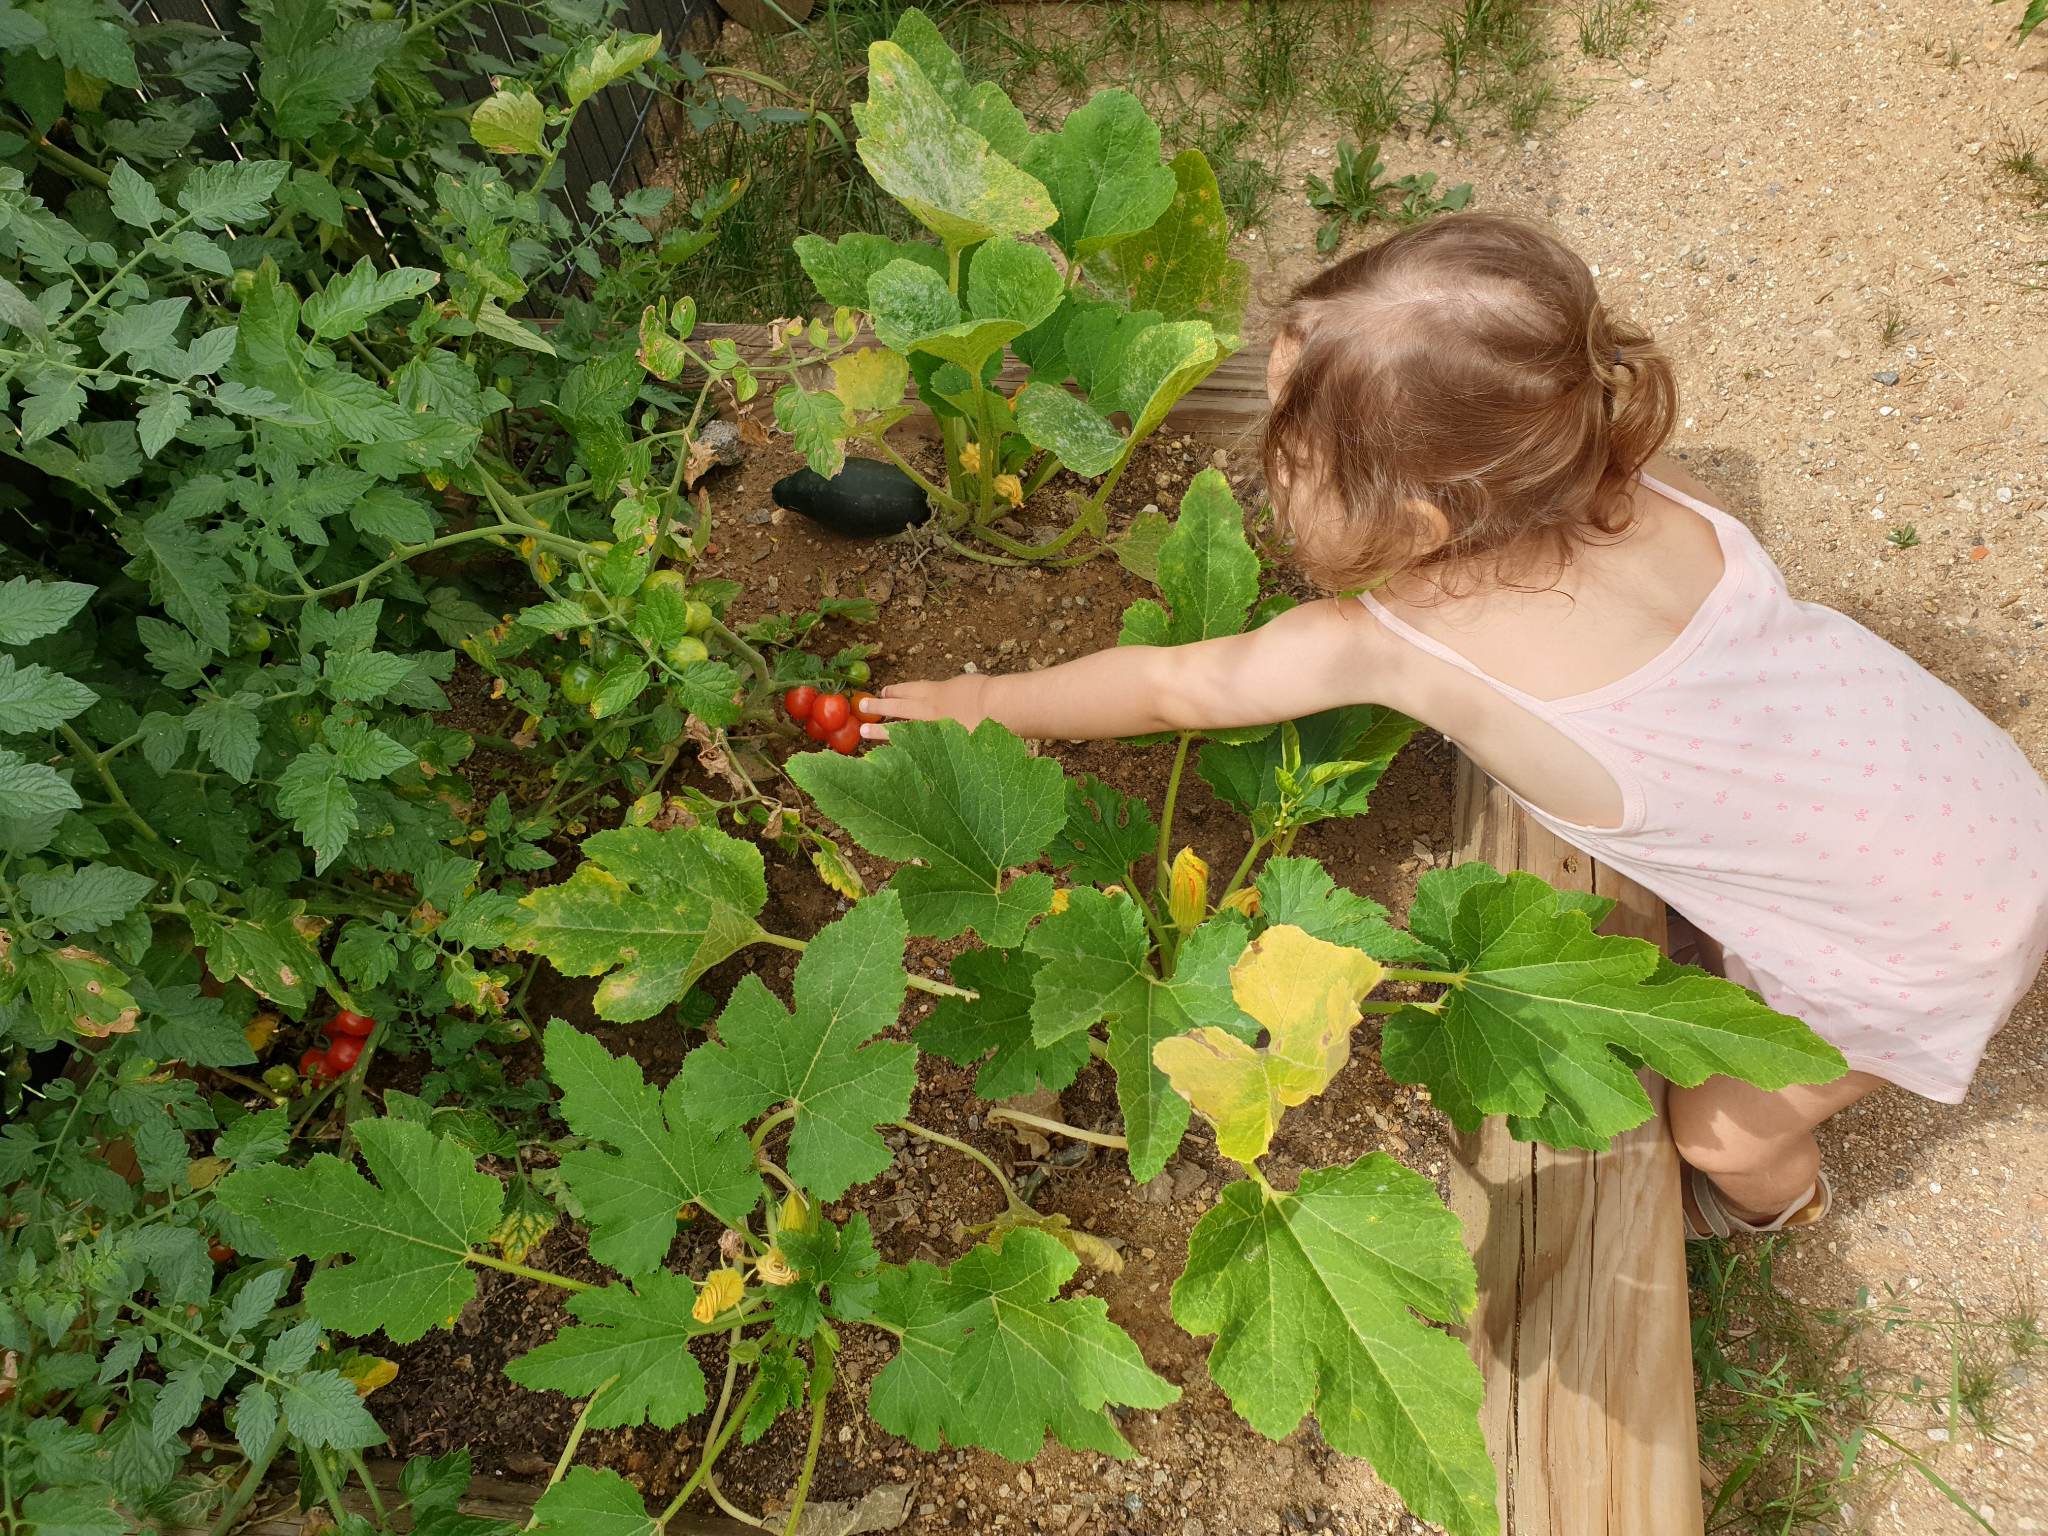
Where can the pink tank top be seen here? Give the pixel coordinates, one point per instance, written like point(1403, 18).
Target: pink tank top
point(1869, 850)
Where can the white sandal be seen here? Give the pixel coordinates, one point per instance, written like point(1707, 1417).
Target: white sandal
point(1803, 1212)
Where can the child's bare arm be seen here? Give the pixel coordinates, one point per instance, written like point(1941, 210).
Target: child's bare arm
point(1311, 658)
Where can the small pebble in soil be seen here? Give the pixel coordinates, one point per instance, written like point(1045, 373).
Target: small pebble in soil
point(1889, 376)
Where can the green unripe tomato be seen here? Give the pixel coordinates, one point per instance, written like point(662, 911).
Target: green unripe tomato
point(688, 651)
point(243, 283)
point(250, 605)
point(281, 1079)
point(382, 10)
point(253, 637)
point(665, 578)
point(697, 617)
point(605, 650)
point(579, 682)
point(857, 672)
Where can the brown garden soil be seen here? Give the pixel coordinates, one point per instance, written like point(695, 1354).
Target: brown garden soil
point(1800, 197)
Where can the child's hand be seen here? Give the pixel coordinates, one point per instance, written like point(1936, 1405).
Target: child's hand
point(957, 698)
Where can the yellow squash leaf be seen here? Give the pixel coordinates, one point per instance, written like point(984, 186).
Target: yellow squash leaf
point(1305, 992)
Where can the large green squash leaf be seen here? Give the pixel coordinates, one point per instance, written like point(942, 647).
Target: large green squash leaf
point(1207, 572)
point(841, 269)
point(998, 1021)
point(639, 1334)
point(1549, 1020)
point(409, 1234)
point(592, 1501)
point(1313, 1298)
point(1140, 371)
point(982, 107)
point(1102, 169)
point(1300, 892)
point(1323, 766)
point(1182, 265)
point(989, 1357)
point(646, 1157)
point(849, 988)
point(967, 808)
point(655, 909)
point(926, 157)
point(1011, 287)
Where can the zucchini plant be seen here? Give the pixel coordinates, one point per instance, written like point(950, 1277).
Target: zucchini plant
point(1075, 251)
point(1097, 938)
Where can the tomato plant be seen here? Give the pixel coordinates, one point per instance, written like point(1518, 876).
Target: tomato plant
point(1135, 301)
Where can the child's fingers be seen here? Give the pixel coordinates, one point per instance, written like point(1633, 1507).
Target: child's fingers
point(899, 706)
point(873, 732)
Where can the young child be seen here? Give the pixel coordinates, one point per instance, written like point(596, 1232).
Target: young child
point(1459, 431)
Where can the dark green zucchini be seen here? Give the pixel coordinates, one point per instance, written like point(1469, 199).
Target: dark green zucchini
point(868, 499)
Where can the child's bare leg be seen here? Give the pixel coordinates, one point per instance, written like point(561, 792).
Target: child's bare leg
point(1755, 1145)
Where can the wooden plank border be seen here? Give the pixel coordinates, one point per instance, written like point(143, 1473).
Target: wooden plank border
point(1583, 1331)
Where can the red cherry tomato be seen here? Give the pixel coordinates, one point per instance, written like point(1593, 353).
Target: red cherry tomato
point(861, 701)
point(845, 740)
point(831, 710)
point(342, 1055)
point(313, 1063)
point(219, 1251)
point(356, 1024)
point(814, 729)
point(798, 701)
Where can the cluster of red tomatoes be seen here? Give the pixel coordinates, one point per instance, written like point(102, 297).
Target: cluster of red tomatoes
point(349, 1030)
point(833, 718)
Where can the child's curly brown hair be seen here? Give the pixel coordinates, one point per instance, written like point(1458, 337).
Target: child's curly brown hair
point(1465, 366)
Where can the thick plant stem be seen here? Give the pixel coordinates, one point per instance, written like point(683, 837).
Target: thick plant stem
point(575, 1439)
point(1164, 879)
point(1010, 1196)
point(1244, 868)
point(86, 755)
point(712, 1451)
point(545, 1277)
point(1426, 978)
point(822, 1351)
point(1060, 1128)
point(756, 662)
point(250, 1485)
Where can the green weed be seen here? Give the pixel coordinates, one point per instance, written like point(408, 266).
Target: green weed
point(1359, 191)
point(1905, 536)
point(1611, 28)
point(1799, 1415)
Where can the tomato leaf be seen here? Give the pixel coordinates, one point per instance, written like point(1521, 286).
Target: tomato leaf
point(30, 610)
point(408, 1235)
point(655, 910)
point(967, 808)
point(849, 988)
point(640, 1334)
point(1313, 1296)
point(651, 1156)
point(1548, 1019)
point(989, 1357)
